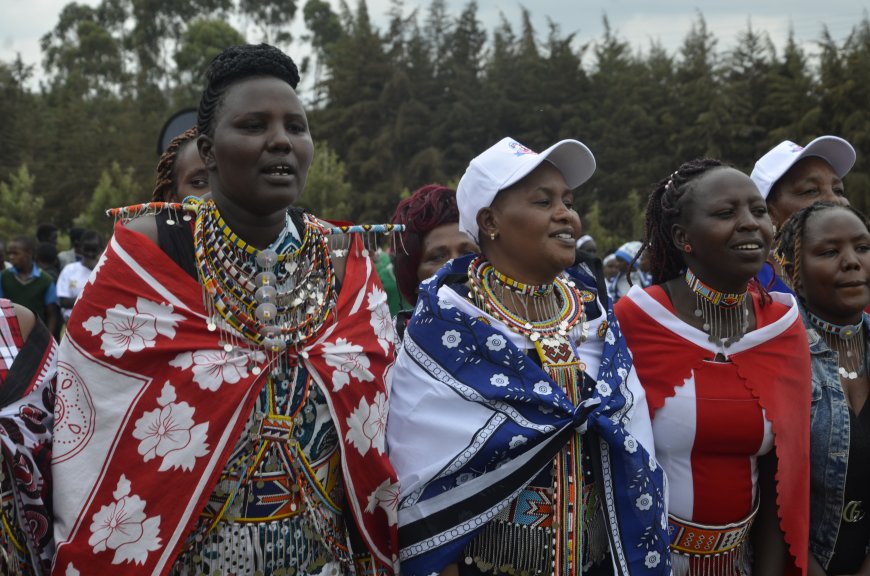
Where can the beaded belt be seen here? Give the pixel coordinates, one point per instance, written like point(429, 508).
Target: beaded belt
point(699, 540)
point(853, 511)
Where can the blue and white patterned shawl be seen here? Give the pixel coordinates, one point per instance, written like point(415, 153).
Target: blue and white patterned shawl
point(473, 420)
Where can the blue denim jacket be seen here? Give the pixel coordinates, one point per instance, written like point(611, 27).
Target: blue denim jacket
point(829, 445)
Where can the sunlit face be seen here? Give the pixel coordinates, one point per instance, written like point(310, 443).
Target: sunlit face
point(835, 266)
point(259, 155)
point(440, 245)
point(726, 223)
point(191, 177)
point(536, 227)
point(808, 181)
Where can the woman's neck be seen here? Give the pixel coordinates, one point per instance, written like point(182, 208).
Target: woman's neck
point(256, 229)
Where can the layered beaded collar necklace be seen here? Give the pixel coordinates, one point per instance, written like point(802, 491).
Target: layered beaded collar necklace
point(549, 310)
point(847, 341)
point(725, 316)
point(275, 297)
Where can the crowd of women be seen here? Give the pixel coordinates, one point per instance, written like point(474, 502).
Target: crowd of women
point(232, 395)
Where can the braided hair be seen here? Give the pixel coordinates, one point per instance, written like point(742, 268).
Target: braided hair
point(166, 188)
point(663, 210)
point(237, 63)
point(427, 208)
point(789, 239)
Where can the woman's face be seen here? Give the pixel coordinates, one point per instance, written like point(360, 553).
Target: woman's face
point(808, 181)
point(725, 222)
point(835, 266)
point(191, 178)
point(440, 245)
point(259, 155)
point(536, 227)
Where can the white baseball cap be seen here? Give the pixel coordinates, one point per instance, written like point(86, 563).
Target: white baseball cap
point(508, 162)
point(773, 165)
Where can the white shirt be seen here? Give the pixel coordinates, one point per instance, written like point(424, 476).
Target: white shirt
point(70, 283)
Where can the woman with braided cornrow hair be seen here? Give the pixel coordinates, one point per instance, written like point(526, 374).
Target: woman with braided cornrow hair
point(726, 374)
point(224, 398)
point(180, 171)
point(824, 250)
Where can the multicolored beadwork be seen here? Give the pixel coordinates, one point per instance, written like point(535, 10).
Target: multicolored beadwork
point(566, 313)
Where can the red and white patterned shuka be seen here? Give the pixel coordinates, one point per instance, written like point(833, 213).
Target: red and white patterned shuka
point(149, 407)
point(710, 419)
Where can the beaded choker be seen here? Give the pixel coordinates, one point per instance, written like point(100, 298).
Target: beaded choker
point(534, 290)
point(557, 315)
point(710, 294)
point(725, 316)
point(847, 341)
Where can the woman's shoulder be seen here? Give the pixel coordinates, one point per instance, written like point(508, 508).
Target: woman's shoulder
point(145, 225)
point(26, 320)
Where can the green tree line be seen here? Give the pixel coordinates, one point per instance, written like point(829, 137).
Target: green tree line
point(396, 107)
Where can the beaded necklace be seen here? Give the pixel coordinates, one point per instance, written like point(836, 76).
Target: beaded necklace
point(847, 341)
point(279, 298)
point(558, 314)
point(725, 315)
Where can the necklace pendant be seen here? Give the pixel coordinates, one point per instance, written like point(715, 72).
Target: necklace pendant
point(267, 258)
point(211, 326)
point(534, 336)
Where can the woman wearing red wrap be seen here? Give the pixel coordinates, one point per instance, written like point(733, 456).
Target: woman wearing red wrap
point(222, 405)
point(727, 377)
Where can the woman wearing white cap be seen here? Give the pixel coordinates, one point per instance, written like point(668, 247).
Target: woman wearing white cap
point(518, 427)
point(791, 177)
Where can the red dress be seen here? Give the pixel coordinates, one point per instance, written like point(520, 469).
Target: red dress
point(711, 420)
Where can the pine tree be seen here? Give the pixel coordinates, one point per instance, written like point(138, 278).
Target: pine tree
point(20, 208)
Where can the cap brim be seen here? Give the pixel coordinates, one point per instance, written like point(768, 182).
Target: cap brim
point(834, 150)
point(572, 158)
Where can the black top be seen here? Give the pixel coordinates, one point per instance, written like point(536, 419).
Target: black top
point(854, 537)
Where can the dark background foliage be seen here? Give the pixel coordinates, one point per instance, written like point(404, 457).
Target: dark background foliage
point(395, 108)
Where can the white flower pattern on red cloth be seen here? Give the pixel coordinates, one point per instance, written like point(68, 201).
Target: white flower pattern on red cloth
point(212, 368)
point(349, 360)
point(170, 432)
point(387, 497)
point(381, 320)
point(367, 425)
point(133, 329)
point(122, 526)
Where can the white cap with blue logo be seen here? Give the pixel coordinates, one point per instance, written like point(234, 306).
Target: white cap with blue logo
point(506, 163)
point(773, 165)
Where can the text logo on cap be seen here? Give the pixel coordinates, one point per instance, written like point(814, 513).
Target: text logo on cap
point(520, 150)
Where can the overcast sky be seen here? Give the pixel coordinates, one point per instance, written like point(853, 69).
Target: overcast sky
point(23, 22)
